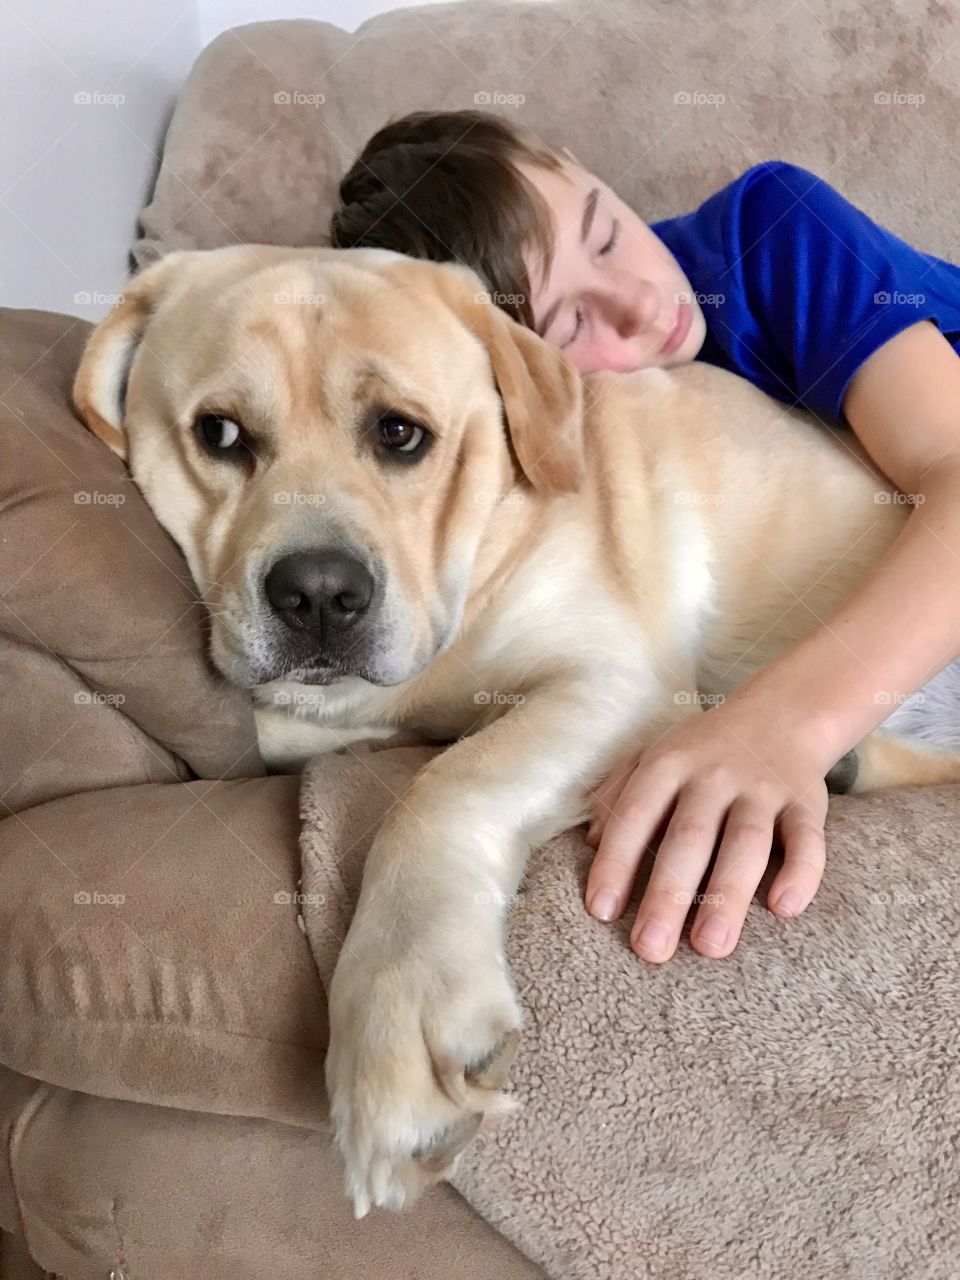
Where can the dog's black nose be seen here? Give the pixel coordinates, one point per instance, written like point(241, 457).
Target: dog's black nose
point(319, 590)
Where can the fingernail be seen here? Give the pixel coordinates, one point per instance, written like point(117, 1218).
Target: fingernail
point(714, 932)
point(790, 902)
point(653, 936)
point(604, 904)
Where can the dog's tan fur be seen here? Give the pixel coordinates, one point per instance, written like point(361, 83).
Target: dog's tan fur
point(554, 595)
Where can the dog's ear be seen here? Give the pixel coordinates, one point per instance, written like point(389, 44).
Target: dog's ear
point(99, 385)
point(541, 391)
point(542, 400)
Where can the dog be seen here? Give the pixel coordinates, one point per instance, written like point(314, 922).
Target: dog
point(384, 486)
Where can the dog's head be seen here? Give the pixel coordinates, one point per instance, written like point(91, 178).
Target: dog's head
point(326, 434)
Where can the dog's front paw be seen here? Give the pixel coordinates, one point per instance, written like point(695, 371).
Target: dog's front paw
point(419, 1051)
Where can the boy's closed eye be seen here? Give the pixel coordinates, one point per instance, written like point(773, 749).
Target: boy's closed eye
point(579, 312)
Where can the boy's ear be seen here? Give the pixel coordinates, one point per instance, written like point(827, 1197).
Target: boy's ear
point(541, 391)
point(99, 385)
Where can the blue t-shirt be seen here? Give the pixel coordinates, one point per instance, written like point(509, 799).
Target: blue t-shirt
point(798, 286)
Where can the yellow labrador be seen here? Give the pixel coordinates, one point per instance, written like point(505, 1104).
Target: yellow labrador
point(405, 511)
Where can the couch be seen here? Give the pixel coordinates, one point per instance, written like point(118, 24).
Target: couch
point(162, 1021)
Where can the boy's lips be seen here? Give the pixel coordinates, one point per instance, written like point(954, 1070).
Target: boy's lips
point(678, 333)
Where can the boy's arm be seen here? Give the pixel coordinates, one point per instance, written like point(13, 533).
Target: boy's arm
point(904, 625)
point(762, 754)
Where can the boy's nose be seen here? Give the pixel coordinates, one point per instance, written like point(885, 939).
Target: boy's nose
point(632, 306)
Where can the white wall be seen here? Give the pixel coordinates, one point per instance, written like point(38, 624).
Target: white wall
point(85, 91)
point(86, 88)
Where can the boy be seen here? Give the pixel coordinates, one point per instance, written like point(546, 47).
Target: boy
point(781, 280)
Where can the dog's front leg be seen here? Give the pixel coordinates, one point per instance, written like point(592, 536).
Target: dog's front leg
point(423, 1016)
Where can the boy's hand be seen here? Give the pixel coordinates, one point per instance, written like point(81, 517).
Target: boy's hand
point(715, 766)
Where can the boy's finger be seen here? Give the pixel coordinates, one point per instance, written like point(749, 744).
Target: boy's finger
point(640, 808)
point(606, 795)
point(741, 861)
point(804, 857)
point(682, 858)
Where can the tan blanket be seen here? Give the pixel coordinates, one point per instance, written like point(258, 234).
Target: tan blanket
point(792, 1112)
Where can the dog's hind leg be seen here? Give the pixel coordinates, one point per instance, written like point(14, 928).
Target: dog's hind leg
point(882, 760)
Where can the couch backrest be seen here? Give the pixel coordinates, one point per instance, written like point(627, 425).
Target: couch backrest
point(666, 101)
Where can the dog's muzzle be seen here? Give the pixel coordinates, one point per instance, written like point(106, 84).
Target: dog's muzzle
point(316, 615)
point(325, 605)
point(325, 593)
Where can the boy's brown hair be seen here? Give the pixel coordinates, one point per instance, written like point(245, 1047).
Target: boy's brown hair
point(445, 186)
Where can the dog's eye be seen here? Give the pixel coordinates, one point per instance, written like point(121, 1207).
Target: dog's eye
point(399, 435)
point(216, 433)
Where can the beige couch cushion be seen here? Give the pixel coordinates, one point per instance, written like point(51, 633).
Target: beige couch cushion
point(147, 957)
point(101, 635)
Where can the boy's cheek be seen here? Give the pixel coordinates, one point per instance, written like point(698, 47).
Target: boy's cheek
point(698, 334)
point(694, 340)
point(587, 357)
point(607, 360)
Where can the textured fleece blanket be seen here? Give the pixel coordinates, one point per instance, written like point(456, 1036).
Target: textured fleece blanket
point(792, 1112)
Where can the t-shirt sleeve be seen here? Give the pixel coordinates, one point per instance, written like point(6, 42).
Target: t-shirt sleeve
point(828, 283)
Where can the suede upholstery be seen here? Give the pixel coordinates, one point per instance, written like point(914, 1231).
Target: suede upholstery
point(161, 1098)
